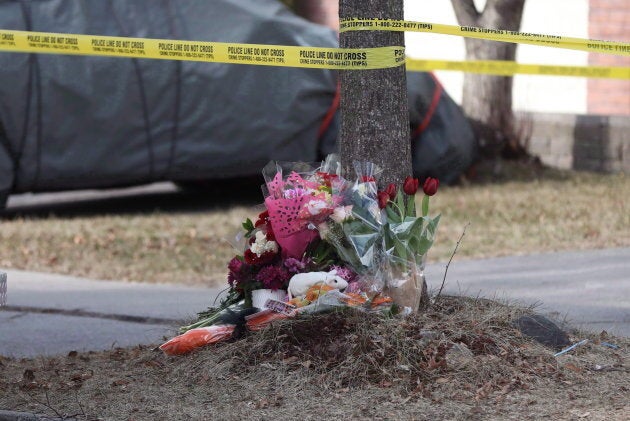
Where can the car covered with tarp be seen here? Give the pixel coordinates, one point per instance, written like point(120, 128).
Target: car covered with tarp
point(77, 122)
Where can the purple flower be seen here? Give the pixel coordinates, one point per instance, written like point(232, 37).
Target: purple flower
point(273, 277)
point(239, 273)
point(353, 287)
point(294, 265)
point(346, 273)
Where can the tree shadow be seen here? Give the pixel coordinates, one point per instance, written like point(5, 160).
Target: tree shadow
point(188, 198)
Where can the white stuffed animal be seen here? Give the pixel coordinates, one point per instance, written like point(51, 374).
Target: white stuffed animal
point(300, 283)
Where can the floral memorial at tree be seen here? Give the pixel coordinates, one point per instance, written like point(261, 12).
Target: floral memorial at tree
point(324, 241)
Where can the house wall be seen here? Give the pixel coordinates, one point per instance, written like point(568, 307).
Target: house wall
point(531, 93)
point(609, 20)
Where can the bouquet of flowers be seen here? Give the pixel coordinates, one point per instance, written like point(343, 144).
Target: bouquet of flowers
point(322, 240)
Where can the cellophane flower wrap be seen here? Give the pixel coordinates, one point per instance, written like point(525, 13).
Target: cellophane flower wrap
point(328, 241)
point(354, 229)
point(298, 198)
point(383, 237)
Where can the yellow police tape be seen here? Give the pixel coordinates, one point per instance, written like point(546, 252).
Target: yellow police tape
point(213, 52)
point(273, 55)
point(510, 68)
point(594, 46)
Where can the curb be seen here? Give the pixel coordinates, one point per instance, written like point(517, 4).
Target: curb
point(3, 288)
point(23, 416)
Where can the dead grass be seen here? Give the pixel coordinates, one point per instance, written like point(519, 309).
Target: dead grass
point(539, 212)
point(338, 365)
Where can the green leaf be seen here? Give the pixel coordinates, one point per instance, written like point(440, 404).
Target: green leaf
point(391, 215)
point(400, 202)
point(428, 235)
point(249, 227)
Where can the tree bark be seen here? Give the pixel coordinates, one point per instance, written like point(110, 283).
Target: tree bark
point(374, 109)
point(487, 100)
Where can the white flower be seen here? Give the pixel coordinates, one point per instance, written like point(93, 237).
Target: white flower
point(261, 245)
point(341, 214)
point(271, 246)
point(324, 230)
point(315, 207)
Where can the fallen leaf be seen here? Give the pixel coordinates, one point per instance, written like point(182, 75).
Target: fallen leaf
point(573, 367)
point(262, 404)
point(120, 382)
point(79, 377)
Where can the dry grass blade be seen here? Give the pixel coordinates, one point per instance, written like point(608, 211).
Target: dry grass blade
point(560, 211)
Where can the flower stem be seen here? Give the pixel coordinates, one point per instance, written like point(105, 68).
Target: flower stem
point(400, 211)
point(425, 205)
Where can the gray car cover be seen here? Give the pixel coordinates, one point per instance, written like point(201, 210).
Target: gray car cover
point(70, 122)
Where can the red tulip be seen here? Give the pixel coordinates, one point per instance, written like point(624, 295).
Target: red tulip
point(410, 186)
point(391, 191)
point(383, 198)
point(430, 186)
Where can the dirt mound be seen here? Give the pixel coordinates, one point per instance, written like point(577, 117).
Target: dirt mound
point(463, 358)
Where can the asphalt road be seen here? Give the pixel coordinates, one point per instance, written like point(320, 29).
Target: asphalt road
point(53, 314)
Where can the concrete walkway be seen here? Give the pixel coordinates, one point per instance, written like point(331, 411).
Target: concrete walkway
point(53, 314)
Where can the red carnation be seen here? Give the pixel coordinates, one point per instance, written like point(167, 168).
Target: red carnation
point(327, 178)
point(430, 186)
point(410, 186)
point(263, 218)
point(253, 259)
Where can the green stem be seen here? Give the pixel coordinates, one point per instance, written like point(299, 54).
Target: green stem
point(411, 205)
point(248, 298)
point(400, 211)
point(425, 205)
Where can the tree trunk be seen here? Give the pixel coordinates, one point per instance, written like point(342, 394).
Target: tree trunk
point(374, 109)
point(487, 100)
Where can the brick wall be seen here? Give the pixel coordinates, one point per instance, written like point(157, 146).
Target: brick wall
point(609, 20)
point(581, 142)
